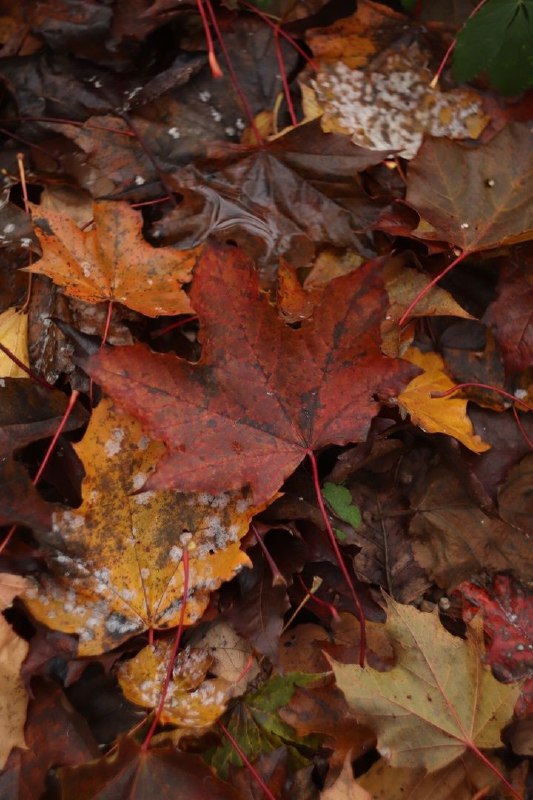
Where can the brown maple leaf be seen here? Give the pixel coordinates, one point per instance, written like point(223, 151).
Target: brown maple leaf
point(263, 395)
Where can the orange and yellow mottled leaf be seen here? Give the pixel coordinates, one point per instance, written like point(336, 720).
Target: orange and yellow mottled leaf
point(117, 561)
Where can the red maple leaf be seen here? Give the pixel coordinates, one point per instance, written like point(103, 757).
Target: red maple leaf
point(508, 625)
point(263, 395)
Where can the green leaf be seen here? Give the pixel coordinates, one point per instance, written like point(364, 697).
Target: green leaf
point(498, 39)
point(256, 726)
point(409, 5)
point(339, 499)
point(341, 536)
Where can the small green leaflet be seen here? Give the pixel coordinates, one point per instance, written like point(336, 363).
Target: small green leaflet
point(498, 39)
point(254, 722)
point(339, 500)
point(409, 5)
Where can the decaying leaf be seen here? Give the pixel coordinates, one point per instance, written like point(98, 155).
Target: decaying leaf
point(14, 336)
point(232, 655)
point(132, 772)
point(56, 735)
point(345, 786)
point(117, 561)
point(192, 700)
point(254, 721)
point(378, 90)
point(508, 623)
point(475, 198)
point(437, 414)
point(261, 388)
point(460, 780)
point(13, 651)
point(403, 284)
point(453, 539)
point(323, 711)
point(511, 314)
point(113, 261)
point(437, 702)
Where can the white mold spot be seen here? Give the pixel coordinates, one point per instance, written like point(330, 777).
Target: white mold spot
point(114, 443)
point(139, 480)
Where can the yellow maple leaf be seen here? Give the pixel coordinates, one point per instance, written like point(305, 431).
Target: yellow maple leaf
point(13, 651)
point(113, 261)
point(192, 701)
point(117, 561)
point(437, 702)
point(437, 414)
point(14, 336)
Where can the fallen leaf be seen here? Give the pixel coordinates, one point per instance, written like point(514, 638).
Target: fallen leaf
point(386, 555)
point(263, 402)
point(232, 655)
point(29, 412)
point(476, 198)
point(375, 86)
point(108, 588)
point(437, 702)
point(340, 501)
point(255, 723)
point(392, 105)
point(133, 773)
point(345, 786)
point(460, 780)
point(323, 710)
point(358, 38)
point(258, 613)
point(453, 539)
point(510, 315)
point(515, 500)
point(113, 261)
point(508, 445)
point(508, 624)
point(437, 414)
point(20, 502)
point(14, 336)
point(191, 701)
point(496, 40)
point(298, 194)
point(13, 651)
point(56, 736)
point(403, 284)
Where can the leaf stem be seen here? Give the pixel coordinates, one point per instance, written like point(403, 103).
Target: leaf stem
point(338, 555)
point(233, 76)
point(277, 577)
point(173, 654)
point(488, 763)
point(284, 79)
point(20, 364)
point(24, 186)
point(423, 292)
point(216, 71)
point(72, 401)
point(277, 26)
point(249, 766)
point(475, 385)
point(451, 48)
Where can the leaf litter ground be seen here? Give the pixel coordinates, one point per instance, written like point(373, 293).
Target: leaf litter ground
point(171, 544)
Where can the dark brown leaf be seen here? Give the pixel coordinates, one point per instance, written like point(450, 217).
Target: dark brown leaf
point(134, 774)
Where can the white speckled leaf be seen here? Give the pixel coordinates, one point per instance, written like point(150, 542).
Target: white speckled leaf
point(391, 106)
point(191, 700)
point(116, 561)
